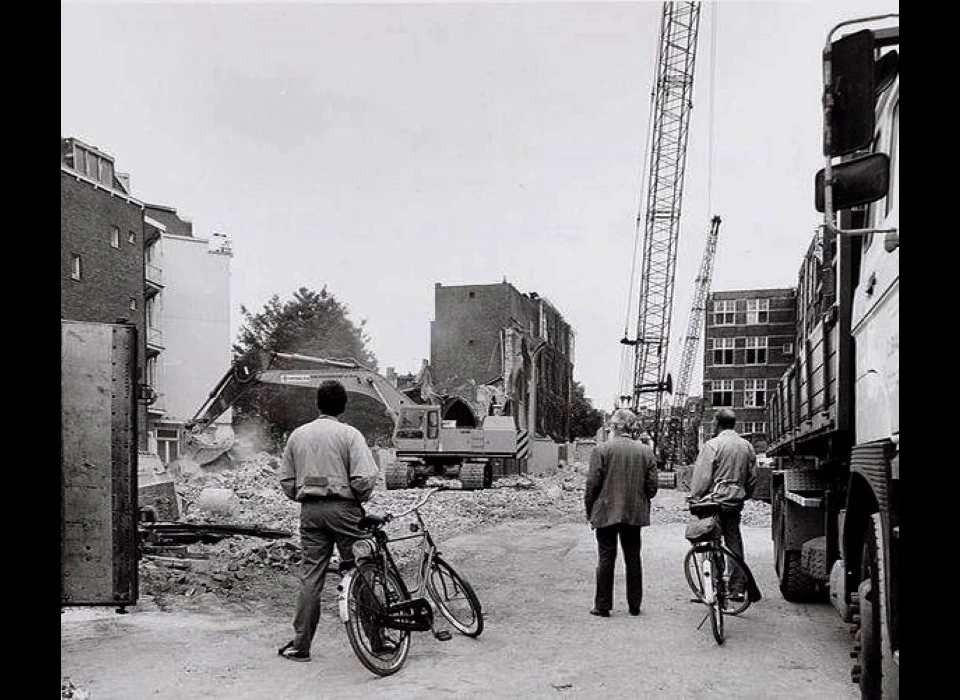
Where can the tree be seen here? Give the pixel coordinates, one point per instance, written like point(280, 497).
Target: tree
point(311, 323)
point(585, 420)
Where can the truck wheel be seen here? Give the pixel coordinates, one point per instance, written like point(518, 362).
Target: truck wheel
point(796, 586)
point(396, 476)
point(869, 651)
point(473, 477)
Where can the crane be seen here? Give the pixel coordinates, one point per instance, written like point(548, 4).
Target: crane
point(671, 104)
point(691, 347)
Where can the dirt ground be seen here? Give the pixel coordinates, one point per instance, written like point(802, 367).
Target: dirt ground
point(535, 580)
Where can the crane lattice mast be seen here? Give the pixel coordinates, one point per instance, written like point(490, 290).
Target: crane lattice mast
point(691, 344)
point(670, 118)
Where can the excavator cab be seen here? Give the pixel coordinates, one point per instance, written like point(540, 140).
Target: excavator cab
point(418, 427)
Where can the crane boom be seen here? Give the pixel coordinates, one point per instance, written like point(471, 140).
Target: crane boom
point(691, 343)
point(670, 119)
point(691, 346)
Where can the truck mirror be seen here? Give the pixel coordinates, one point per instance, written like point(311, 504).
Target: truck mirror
point(856, 182)
point(853, 90)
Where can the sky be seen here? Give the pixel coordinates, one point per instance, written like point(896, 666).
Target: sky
point(379, 148)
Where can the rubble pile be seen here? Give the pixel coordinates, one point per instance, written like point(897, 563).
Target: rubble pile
point(254, 571)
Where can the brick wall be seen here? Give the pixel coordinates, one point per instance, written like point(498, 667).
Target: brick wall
point(778, 329)
point(111, 278)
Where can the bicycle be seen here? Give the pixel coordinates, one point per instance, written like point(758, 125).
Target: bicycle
point(708, 567)
point(379, 608)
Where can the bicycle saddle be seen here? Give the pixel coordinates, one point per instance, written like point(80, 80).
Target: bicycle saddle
point(703, 509)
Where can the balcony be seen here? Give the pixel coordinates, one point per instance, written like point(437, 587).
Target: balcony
point(153, 276)
point(154, 339)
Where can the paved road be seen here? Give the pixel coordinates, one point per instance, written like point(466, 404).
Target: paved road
point(535, 581)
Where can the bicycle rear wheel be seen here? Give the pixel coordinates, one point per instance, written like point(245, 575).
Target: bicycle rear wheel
point(370, 591)
point(693, 572)
point(718, 596)
point(454, 598)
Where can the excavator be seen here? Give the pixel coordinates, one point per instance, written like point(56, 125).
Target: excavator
point(433, 436)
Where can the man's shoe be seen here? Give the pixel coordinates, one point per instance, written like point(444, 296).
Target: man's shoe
point(290, 653)
point(600, 613)
point(634, 611)
point(384, 646)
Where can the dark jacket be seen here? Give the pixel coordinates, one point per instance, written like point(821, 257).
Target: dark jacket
point(621, 481)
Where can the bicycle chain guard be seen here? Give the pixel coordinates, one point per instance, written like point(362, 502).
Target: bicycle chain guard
point(414, 615)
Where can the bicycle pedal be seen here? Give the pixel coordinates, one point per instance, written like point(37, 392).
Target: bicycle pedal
point(442, 635)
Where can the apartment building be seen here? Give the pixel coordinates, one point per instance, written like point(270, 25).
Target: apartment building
point(122, 259)
point(187, 322)
point(748, 343)
point(101, 247)
point(492, 337)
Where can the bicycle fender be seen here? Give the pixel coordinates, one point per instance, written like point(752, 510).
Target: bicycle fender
point(342, 588)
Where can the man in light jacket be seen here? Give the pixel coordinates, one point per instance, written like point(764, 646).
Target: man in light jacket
point(327, 468)
point(620, 483)
point(726, 472)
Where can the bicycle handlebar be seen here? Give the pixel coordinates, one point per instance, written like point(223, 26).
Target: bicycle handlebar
point(393, 516)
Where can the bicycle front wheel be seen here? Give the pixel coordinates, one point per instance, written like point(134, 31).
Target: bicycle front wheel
point(454, 598)
point(370, 591)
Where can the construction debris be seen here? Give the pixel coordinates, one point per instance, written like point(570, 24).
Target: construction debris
point(244, 560)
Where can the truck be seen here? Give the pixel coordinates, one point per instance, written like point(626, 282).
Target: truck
point(108, 520)
point(433, 435)
point(834, 417)
point(99, 396)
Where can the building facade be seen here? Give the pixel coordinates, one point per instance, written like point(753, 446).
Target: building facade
point(188, 322)
point(748, 343)
point(507, 351)
point(101, 247)
point(123, 260)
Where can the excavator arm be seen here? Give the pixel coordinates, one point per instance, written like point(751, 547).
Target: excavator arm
point(257, 368)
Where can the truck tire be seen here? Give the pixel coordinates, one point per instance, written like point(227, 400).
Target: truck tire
point(868, 631)
point(796, 586)
point(396, 475)
point(475, 476)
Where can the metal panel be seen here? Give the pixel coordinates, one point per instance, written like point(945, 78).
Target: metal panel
point(98, 469)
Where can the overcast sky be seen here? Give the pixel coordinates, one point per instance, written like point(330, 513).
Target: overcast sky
point(380, 148)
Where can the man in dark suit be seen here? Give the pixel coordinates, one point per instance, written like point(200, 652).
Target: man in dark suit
point(621, 481)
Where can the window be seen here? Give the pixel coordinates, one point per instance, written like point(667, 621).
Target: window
point(724, 312)
point(722, 351)
point(756, 351)
point(76, 268)
point(133, 303)
point(150, 312)
point(754, 427)
point(131, 237)
point(168, 444)
point(721, 392)
point(115, 237)
point(758, 311)
point(754, 393)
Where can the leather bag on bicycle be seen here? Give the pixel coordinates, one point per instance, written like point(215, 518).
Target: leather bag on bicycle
point(703, 529)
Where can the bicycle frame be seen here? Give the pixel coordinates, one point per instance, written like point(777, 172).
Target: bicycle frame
point(414, 612)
